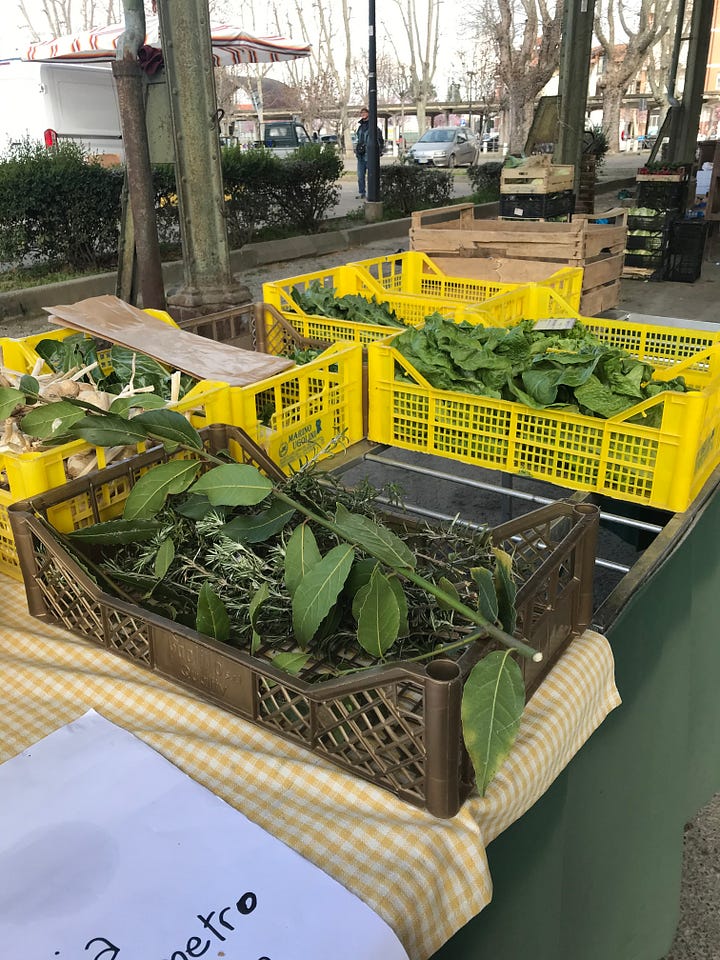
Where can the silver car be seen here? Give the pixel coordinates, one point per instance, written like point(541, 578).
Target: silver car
point(445, 147)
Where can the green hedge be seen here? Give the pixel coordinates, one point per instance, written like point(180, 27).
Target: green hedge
point(485, 180)
point(63, 207)
point(405, 187)
point(57, 205)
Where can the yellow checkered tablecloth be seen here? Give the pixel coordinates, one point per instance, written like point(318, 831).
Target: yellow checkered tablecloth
point(425, 877)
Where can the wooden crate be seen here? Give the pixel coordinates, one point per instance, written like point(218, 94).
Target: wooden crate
point(527, 251)
point(456, 231)
point(537, 175)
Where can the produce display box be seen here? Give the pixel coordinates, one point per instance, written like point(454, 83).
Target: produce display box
point(414, 272)
point(297, 415)
point(684, 267)
point(655, 221)
point(655, 241)
point(457, 231)
point(536, 176)
point(663, 467)
point(410, 307)
point(397, 725)
point(600, 281)
point(541, 206)
point(585, 242)
point(662, 195)
point(651, 261)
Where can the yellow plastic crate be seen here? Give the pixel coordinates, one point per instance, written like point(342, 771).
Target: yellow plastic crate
point(411, 308)
point(302, 413)
point(661, 467)
point(28, 474)
point(416, 273)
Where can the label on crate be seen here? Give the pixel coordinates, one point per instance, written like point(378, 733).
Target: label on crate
point(518, 211)
point(555, 323)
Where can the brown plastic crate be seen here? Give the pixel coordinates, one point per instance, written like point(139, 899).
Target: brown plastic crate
point(396, 725)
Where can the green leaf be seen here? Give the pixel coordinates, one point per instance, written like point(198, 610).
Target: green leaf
point(260, 526)
point(29, 386)
point(291, 663)
point(170, 427)
point(145, 401)
point(232, 485)
point(318, 590)
point(50, 419)
point(9, 399)
point(360, 575)
point(163, 558)
point(450, 589)
point(492, 705)
point(149, 494)
point(487, 597)
point(261, 595)
point(301, 554)
point(505, 590)
point(113, 532)
point(195, 508)
point(374, 538)
point(379, 616)
point(212, 617)
point(107, 430)
point(397, 589)
point(144, 371)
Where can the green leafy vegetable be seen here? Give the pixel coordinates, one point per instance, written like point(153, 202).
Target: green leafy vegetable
point(212, 617)
point(321, 301)
point(571, 369)
point(492, 705)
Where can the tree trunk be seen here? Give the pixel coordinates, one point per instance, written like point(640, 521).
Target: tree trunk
point(612, 101)
point(520, 114)
point(421, 105)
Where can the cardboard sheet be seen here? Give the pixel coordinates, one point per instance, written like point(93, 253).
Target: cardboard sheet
point(109, 852)
point(119, 322)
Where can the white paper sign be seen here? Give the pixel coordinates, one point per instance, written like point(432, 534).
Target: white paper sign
point(109, 852)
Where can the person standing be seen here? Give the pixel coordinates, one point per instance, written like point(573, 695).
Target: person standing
point(361, 145)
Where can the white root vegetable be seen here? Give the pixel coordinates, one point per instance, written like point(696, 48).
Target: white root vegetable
point(97, 398)
point(79, 464)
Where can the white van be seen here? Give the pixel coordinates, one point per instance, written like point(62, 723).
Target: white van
point(66, 101)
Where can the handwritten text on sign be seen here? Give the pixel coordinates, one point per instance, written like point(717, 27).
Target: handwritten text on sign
point(126, 858)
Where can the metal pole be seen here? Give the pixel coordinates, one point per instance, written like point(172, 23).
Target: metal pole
point(685, 120)
point(373, 154)
point(575, 50)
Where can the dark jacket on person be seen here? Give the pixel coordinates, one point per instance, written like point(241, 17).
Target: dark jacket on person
point(363, 131)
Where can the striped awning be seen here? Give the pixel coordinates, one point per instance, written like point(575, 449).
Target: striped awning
point(230, 45)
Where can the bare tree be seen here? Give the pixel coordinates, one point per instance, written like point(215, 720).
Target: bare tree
point(626, 35)
point(658, 62)
point(479, 81)
point(422, 30)
point(329, 67)
point(58, 17)
point(525, 36)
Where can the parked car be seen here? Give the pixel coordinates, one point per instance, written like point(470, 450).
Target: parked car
point(490, 141)
point(445, 147)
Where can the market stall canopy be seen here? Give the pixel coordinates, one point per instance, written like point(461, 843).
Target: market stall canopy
point(230, 45)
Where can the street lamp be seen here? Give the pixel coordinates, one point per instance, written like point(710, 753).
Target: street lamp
point(471, 76)
point(372, 210)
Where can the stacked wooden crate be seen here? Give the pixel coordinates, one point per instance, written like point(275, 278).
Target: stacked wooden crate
point(517, 251)
point(537, 189)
